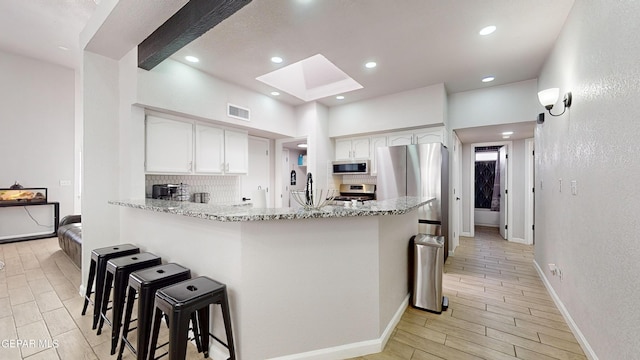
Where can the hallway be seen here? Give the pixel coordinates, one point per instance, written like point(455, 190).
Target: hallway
point(498, 309)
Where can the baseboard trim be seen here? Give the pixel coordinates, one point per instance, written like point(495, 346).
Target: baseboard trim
point(584, 344)
point(519, 241)
point(354, 349)
point(466, 234)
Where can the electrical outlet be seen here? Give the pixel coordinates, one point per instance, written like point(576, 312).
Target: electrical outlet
point(554, 269)
point(574, 187)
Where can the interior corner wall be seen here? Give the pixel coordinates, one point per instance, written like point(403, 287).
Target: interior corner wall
point(503, 104)
point(101, 168)
point(420, 107)
point(37, 108)
point(593, 236)
point(312, 121)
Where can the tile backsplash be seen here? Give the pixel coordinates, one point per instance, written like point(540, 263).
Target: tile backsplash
point(359, 179)
point(223, 189)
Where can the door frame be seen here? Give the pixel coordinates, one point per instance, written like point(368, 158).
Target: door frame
point(529, 202)
point(278, 185)
point(456, 193)
point(472, 184)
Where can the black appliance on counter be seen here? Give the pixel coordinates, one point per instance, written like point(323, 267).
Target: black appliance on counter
point(163, 191)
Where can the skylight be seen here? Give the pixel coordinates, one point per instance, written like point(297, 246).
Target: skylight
point(310, 79)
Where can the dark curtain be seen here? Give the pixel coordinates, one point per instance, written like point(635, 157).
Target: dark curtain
point(485, 178)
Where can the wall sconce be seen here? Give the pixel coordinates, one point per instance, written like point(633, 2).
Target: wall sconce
point(549, 97)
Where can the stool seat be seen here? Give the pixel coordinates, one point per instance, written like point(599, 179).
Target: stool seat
point(145, 283)
point(97, 271)
point(118, 271)
point(178, 302)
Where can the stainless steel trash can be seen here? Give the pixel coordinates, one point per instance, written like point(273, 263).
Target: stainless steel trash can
point(428, 262)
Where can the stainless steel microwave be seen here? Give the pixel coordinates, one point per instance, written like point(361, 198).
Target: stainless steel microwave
point(351, 167)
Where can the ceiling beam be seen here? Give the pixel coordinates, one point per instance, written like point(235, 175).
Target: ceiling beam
point(190, 22)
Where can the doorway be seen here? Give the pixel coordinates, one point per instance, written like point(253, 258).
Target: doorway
point(291, 169)
point(489, 187)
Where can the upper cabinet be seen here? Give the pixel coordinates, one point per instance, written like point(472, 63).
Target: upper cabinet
point(209, 150)
point(376, 142)
point(169, 146)
point(221, 151)
point(400, 139)
point(352, 149)
point(430, 136)
point(180, 147)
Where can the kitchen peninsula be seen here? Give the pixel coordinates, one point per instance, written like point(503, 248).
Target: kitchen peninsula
point(329, 283)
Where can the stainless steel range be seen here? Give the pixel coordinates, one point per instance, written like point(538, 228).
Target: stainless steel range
point(358, 192)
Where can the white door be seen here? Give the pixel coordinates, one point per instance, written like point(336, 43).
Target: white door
point(457, 192)
point(258, 171)
point(502, 158)
point(286, 171)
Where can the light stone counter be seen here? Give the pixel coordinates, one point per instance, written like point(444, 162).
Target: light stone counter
point(248, 213)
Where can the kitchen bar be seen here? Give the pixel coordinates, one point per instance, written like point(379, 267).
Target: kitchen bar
point(328, 283)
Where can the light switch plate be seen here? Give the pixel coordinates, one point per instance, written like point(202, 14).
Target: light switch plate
point(65, 182)
point(574, 187)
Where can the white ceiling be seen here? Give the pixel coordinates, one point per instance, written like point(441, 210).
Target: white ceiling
point(416, 43)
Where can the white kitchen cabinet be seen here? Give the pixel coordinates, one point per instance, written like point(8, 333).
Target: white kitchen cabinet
point(236, 151)
point(220, 151)
point(353, 149)
point(209, 150)
point(168, 146)
point(376, 142)
point(400, 139)
point(429, 136)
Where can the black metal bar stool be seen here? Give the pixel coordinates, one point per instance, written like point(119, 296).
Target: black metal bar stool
point(97, 271)
point(145, 283)
point(118, 271)
point(179, 301)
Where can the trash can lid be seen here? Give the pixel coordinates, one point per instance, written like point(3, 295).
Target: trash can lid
point(429, 240)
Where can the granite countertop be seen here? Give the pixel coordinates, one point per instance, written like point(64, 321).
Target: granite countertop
point(245, 212)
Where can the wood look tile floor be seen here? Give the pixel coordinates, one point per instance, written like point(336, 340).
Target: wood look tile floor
point(40, 306)
point(498, 309)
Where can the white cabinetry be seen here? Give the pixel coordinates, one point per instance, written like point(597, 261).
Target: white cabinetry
point(168, 146)
point(209, 149)
point(400, 139)
point(376, 142)
point(236, 151)
point(177, 147)
point(352, 149)
point(429, 136)
point(220, 151)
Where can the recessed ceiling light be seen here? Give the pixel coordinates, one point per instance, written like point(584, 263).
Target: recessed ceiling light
point(276, 60)
point(506, 136)
point(192, 59)
point(303, 145)
point(507, 133)
point(487, 30)
point(63, 48)
point(275, 93)
point(488, 78)
point(340, 97)
point(370, 65)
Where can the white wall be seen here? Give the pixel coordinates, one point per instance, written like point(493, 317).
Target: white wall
point(593, 236)
point(37, 112)
point(414, 108)
point(503, 104)
point(176, 87)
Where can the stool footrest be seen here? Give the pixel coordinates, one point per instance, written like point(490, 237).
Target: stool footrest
point(218, 340)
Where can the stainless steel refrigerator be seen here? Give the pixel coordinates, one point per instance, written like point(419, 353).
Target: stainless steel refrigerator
point(418, 170)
